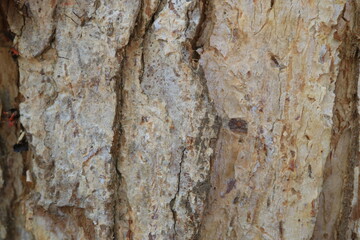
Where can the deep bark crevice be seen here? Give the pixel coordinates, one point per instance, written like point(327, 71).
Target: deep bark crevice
point(335, 203)
point(353, 157)
point(136, 35)
point(172, 202)
point(141, 31)
point(196, 42)
point(199, 41)
point(116, 145)
point(120, 197)
point(353, 53)
point(191, 56)
point(13, 166)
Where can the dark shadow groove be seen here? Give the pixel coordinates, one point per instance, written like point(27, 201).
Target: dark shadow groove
point(335, 203)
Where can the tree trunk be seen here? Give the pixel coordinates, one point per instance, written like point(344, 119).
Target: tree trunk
point(180, 119)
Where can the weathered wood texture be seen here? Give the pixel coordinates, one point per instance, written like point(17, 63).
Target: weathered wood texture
point(181, 119)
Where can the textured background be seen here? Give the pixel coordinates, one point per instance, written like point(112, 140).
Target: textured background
point(181, 119)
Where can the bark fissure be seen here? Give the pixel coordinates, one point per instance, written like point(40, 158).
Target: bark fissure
point(12, 165)
point(143, 35)
point(353, 157)
point(149, 24)
point(118, 130)
point(343, 225)
point(199, 32)
point(139, 33)
point(335, 202)
point(116, 145)
point(172, 202)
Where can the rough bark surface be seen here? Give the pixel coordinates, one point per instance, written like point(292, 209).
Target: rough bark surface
point(180, 119)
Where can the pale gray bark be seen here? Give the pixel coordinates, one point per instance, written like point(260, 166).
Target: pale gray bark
point(180, 119)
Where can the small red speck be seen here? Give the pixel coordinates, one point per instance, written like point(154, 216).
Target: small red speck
point(12, 117)
point(14, 52)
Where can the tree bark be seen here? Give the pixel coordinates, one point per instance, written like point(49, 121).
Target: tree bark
point(180, 119)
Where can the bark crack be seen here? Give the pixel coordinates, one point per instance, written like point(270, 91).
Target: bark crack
point(118, 133)
point(136, 35)
point(143, 35)
point(343, 157)
point(158, 10)
point(198, 40)
point(352, 160)
point(12, 165)
point(173, 201)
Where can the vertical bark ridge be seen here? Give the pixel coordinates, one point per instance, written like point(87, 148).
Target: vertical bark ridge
point(124, 228)
point(68, 70)
point(271, 68)
point(164, 88)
